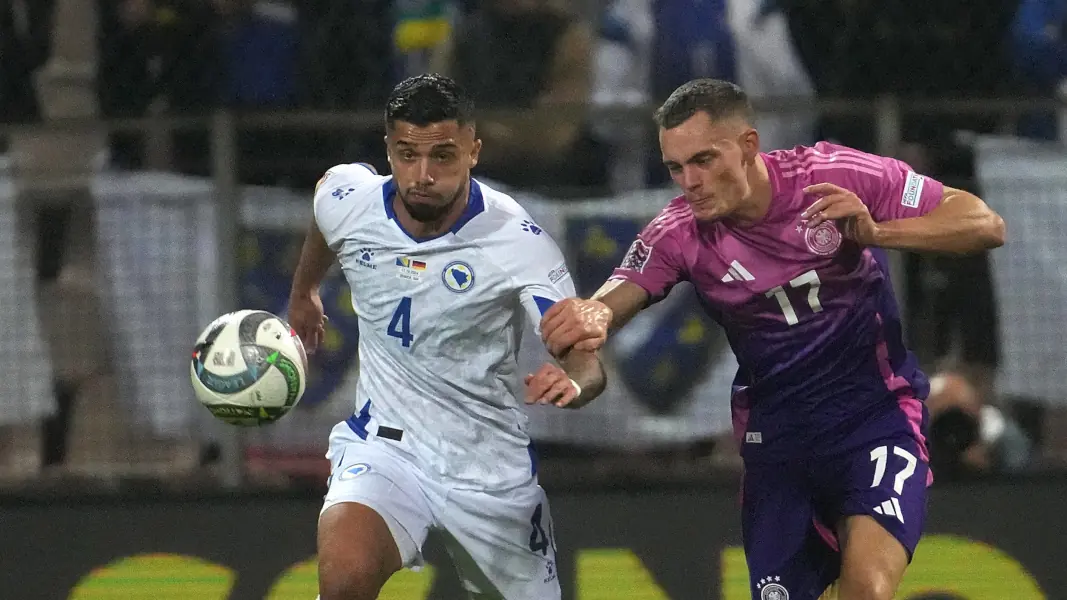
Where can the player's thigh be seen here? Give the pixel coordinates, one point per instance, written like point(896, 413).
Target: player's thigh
point(357, 553)
point(375, 515)
point(787, 554)
point(872, 560)
point(882, 515)
point(503, 544)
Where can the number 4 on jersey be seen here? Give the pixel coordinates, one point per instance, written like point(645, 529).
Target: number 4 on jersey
point(400, 324)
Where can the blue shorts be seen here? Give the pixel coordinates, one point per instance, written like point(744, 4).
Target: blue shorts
point(790, 512)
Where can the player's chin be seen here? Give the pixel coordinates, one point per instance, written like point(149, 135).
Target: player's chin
point(705, 212)
point(426, 210)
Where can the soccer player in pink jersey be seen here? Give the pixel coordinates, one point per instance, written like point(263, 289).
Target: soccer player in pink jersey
point(784, 250)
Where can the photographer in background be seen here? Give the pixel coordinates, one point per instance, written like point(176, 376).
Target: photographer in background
point(969, 437)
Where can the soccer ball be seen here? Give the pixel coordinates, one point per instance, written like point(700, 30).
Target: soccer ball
point(248, 368)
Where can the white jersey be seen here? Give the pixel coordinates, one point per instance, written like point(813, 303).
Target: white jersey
point(439, 324)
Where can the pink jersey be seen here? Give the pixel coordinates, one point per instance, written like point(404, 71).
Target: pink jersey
point(810, 315)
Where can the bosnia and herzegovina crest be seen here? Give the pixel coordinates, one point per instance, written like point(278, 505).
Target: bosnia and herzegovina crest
point(667, 349)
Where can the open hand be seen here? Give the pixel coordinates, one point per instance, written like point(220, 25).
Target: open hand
point(308, 320)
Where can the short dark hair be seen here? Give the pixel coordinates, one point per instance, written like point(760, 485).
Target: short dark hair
point(430, 98)
point(719, 99)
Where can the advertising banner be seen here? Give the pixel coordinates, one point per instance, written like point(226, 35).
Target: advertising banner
point(984, 541)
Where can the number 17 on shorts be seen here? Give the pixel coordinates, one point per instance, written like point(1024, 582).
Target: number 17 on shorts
point(892, 479)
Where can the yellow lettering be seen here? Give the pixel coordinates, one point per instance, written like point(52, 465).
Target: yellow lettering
point(156, 576)
point(301, 582)
point(610, 574)
point(943, 563)
point(973, 570)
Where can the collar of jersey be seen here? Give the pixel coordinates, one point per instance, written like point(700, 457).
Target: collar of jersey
point(475, 206)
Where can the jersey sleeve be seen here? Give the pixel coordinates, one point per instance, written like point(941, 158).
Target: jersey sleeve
point(654, 262)
point(335, 197)
point(895, 191)
point(541, 273)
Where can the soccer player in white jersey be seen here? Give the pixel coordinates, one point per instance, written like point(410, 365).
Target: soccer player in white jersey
point(445, 272)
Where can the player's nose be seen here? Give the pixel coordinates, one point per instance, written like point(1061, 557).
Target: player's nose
point(425, 176)
point(691, 179)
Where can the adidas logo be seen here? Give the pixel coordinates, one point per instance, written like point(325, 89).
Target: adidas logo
point(890, 508)
point(737, 273)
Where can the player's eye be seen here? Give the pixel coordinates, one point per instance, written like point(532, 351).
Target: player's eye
point(444, 156)
point(675, 169)
point(407, 155)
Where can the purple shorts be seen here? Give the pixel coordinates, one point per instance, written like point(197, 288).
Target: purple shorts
point(790, 512)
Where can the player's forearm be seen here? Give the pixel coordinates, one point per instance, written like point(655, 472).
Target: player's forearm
point(315, 260)
point(961, 224)
point(587, 371)
point(624, 298)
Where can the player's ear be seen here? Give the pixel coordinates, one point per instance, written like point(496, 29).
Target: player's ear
point(388, 154)
point(476, 149)
point(749, 143)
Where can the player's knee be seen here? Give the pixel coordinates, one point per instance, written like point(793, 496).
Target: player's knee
point(867, 584)
point(354, 580)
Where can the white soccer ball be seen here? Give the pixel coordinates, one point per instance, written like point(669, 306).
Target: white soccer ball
point(248, 368)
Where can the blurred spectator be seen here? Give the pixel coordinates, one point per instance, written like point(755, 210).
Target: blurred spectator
point(519, 54)
point(347, 49)
point(693, 39)
point(968, 436)
point(25, 41)
point(769, 66)
point(1039, 54)
point(622, 72)
point(646, 49)
point(347, 62)
point(156, 56)
point(422, 35)
point(259, 50)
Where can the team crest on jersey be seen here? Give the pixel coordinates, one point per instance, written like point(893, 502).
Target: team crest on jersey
point(636, 257)
point(823, 239)
point(770, 589)
point(353, 471)
point(458, 277)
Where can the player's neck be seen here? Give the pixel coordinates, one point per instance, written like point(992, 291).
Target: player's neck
point(420, 229)
point(757, 204)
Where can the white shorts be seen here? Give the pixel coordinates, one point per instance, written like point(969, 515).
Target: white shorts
point(502, 543)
